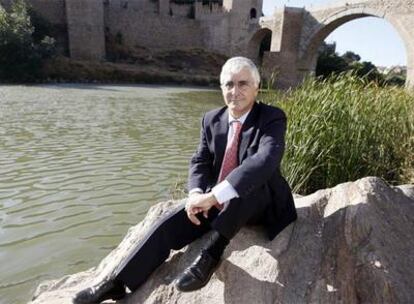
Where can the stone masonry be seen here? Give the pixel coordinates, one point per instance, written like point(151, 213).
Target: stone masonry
point(85, 20)
point(295, 42)
point(228, 27)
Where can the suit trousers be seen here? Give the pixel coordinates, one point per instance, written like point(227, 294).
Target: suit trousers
point(175, 230)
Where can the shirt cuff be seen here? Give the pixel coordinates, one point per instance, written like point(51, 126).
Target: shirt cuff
point(223, 192)
point(195, 190)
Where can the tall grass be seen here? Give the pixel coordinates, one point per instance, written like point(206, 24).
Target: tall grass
point(342, 129)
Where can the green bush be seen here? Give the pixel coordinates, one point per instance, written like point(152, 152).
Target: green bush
point(396, 80)
point(342, 129)
point(20, 55)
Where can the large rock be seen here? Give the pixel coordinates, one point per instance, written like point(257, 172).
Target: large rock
point(351, 244)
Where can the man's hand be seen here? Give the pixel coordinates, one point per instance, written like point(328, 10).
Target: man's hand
point(198, 202)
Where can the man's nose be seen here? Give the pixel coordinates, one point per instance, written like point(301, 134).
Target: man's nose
point(235, 90)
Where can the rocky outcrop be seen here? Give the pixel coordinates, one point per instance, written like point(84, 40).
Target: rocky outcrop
point(351, 244)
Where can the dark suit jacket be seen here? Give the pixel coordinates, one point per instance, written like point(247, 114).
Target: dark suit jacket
point(260, 153)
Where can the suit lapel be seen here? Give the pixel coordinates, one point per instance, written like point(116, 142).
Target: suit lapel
point(221, 129)
point(247, 131)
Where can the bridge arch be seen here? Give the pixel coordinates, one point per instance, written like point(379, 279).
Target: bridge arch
point(308, 52)
point(259, 44)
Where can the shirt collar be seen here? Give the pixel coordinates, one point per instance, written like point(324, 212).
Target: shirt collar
point(242, 118)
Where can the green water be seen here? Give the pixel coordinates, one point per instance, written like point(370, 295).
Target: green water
point(79, 165)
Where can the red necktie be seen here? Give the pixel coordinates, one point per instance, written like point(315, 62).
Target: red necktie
point(230, 160)
point(230, 157)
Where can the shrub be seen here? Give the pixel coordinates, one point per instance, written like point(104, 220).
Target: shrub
point(20, 55)
point(342, 129)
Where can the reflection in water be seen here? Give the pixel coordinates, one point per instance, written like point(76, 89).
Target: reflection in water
point(79, 164)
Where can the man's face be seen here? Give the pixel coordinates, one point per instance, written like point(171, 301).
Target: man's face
point(239, 92)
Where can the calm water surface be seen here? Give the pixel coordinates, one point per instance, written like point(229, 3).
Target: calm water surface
point(80, 164)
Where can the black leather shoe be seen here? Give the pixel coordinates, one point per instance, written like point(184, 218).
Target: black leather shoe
point(198, 274)
point(108, 290)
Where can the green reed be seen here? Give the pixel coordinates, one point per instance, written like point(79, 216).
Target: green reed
point(343, 129)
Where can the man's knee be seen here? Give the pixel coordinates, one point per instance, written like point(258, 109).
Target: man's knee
point(238, 213)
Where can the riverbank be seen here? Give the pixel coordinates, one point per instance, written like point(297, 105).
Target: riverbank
point(190, 67)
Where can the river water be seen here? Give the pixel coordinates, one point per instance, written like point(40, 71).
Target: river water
point(79, 165)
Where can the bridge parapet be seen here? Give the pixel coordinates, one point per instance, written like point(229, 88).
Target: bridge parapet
point(322, 17)
point(267, 22)
point(318, 22)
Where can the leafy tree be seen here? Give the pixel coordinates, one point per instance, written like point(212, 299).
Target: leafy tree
point(351, 57)
point(397, 76)
point(367, 71)
point(395, 80)
point(329, 62)
point(20, 55)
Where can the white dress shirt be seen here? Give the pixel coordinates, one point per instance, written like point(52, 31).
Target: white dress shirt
point(223, 191)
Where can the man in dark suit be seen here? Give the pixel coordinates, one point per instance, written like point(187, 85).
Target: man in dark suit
point(234, 180)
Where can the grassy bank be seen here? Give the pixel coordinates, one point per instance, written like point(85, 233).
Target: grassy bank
point(343, 129)
point(63, 69)
point(139, 65)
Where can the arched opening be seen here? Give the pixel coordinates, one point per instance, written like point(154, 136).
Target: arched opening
point(259, 44)
point(253, 13)
point(342, 45)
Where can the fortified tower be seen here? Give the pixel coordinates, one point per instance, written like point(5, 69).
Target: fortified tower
point(248, 8)
point(285, 44)
point(85, 21)
point(243, 23)
point(164, 7)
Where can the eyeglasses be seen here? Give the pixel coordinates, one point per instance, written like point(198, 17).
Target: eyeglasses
point(243, 85)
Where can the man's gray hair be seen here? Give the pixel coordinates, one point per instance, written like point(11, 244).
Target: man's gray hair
point(235, 65)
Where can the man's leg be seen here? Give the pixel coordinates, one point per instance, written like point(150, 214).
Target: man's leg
point(238, 213)
point(225, 226)
point(173, 231)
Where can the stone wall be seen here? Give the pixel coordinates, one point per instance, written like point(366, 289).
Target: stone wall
point(180, 10)
point(85, 21)
point(146, 6)
point(228, 29)
point(216, 35)
point(149, 29)
point(281, 64)
point(207, 11)
point(241, 28)
point(212, 28)
point(404, 23)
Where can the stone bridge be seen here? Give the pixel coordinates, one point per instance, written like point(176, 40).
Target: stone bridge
point(285, 44)
point(293, 35)
point(297, 33)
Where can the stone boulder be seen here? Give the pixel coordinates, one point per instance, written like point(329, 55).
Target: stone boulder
point(351, 244)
